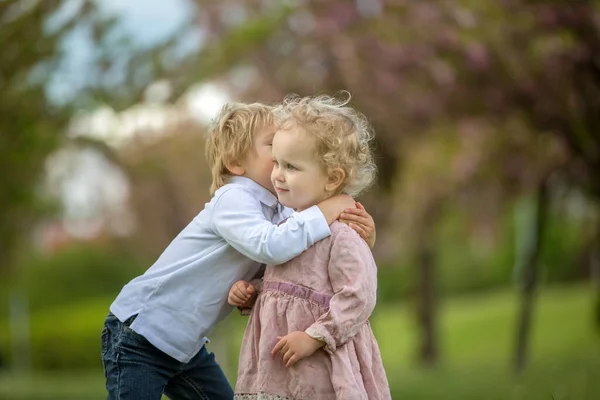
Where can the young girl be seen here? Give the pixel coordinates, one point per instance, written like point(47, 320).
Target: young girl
point(308, 336)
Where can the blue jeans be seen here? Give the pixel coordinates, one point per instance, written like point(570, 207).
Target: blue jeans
point(135, 369)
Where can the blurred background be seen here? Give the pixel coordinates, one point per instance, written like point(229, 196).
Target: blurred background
point(487, 116)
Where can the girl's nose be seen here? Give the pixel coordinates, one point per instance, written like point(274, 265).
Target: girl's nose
point(277, 175)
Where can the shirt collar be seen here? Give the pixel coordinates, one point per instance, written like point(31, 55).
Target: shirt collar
point(262, 194)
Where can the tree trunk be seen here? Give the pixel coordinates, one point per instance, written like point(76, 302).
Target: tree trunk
point(595, 272)
point(529, 264)
point(426, 296)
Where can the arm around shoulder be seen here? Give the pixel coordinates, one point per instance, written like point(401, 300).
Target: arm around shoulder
point(238, 218)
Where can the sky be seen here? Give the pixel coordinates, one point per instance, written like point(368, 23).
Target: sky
point(86, 183)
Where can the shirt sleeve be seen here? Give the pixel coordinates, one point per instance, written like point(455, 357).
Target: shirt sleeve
point(238, 218)
point(353, 274)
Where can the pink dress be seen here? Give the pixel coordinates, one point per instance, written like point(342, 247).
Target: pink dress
point(328, 291)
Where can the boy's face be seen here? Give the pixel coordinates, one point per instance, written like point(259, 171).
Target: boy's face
point(258, 164)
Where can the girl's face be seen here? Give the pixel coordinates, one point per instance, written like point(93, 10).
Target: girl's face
point(298, 176)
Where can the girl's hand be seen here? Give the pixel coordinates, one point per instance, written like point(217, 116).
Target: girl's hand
point(359, 219)
point(295, 346)
point(241, 294)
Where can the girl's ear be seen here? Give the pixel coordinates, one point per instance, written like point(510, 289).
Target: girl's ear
point(235, 167)
point(335, 179)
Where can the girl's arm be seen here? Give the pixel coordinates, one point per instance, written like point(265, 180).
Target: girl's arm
point(353, 274)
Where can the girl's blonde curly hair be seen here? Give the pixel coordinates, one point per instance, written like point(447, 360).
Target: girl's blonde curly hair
point(343, 136)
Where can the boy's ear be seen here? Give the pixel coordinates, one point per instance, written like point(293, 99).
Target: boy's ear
point(234, 167)
point(335, 179)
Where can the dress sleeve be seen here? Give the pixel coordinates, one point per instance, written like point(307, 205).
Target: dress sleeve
point(353, 275)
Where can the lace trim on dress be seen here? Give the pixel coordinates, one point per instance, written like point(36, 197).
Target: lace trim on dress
point(259, 396)
point(315, 334)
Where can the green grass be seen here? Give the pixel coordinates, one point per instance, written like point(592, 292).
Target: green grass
point(476, 342)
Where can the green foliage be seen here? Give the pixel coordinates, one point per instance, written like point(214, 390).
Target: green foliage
point(66, 337)
point(394, 281)
point(564, 241)
point(62, 293)
point(30, 128)
point(470, 261)
point(476, 337)
point(476, 334)
point(33, 36)
point(74, 274)
point(33, 125)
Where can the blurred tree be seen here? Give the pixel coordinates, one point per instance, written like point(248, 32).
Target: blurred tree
point(34, 40)
point(169, 184)
point(536, 77)
point(513, 84)
point(555, 78)
point(30, 126)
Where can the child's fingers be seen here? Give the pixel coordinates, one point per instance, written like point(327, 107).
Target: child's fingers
point(286, 357)
point(240, 295)
point(236, 297)
point(231, 299)
point(250, 290)
point(241, 286)
point(363, 234)
point(293, 360)
point(358, 216)
point(359, 205)
point(279, 345)
point(241, 292)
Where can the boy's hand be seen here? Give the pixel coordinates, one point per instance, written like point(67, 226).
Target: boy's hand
point(359, 219)
point(334, 206)
point(241, 294)
point(295, 346)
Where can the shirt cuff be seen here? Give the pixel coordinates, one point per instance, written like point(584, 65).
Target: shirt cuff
point(315, 222)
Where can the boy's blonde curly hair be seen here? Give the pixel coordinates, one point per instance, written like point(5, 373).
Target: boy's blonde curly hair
point(343, 136)
point(230, 136)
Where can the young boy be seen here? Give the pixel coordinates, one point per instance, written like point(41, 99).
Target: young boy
point(153, 338)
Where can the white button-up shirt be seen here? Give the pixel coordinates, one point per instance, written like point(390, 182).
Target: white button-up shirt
point(180, 298)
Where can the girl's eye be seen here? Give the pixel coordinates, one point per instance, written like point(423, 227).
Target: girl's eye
point(291, 167)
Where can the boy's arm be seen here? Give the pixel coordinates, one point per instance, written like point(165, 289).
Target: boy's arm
point(238, 218)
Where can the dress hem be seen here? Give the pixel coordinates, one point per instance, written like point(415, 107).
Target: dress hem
point(259, 396)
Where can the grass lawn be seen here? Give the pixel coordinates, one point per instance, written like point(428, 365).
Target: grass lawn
point(476, 335)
